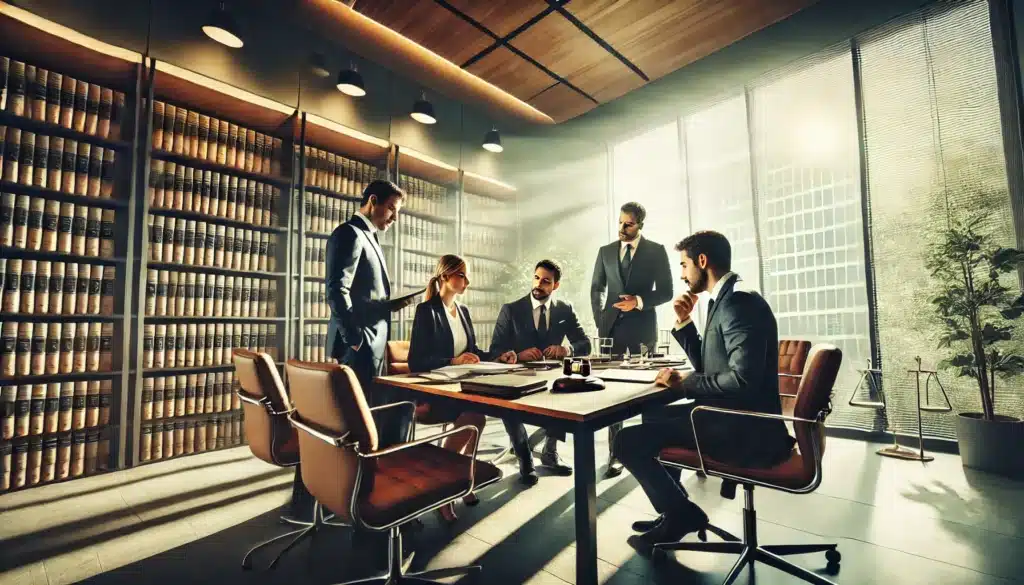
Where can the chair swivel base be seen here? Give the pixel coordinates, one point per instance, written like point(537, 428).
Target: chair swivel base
point(308, 531)
point(396, 573)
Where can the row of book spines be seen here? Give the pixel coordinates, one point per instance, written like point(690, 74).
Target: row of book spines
point(314, 342)
point(165, 397)
point(314, 300)
point(58, 164)
point(183, 188)
point(334, 172)
point(40, 409)
point(419, 188)
point(204, 344)
point(189, 133)
point(197, 243)
point(38, 460)
point(163, 440)
point(40, 224)
point(35, 349)
point(323, 213)
point(48, 96)
point(42, 287)
point(187, 294)
point(488, 205)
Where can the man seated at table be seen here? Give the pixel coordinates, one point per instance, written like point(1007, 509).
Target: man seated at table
point(735, 366)
point(534, 327)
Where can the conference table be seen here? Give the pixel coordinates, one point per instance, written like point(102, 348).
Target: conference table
point(581, 414)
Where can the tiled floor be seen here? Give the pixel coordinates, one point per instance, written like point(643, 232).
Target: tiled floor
point(191, 520)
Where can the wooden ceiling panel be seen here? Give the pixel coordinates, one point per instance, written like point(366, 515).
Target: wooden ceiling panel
point(512, 73)
point(557, 44)
point(561, 103)
point(660, 36)
point(500, 16)
point(430, 25)
point(606, 80)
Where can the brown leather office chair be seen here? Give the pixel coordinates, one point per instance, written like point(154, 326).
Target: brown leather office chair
point(271, 436)
point(800, 474)
point(792, 357)
point(372, 488)
point(398, 363)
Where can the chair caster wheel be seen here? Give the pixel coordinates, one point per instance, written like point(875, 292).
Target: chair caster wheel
point(832, 569)
point(702, 535)
point(833, 557)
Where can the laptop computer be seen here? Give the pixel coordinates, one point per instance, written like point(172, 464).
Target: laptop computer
point(507, 386)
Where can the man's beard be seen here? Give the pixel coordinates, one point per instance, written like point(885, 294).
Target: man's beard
point(701, 284)
point(539, 294)
point(624, 237)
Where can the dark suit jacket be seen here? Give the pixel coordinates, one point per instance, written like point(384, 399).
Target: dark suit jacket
point(431, 346)
point(358, 292)
point(736, 366)
point(516, 332)
point(650, 278)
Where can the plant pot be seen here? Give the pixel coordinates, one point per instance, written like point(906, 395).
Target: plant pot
point(993, 446)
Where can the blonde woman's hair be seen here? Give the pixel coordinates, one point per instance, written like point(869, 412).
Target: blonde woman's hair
point(446, 266)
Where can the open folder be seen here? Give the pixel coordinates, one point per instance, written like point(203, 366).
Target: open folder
point(464, 371)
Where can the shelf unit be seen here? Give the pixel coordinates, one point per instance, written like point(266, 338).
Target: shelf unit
point(334, 166)
point(217, 166)
point(66, 188)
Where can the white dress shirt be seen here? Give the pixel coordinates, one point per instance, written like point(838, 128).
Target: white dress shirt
point(632, 256)
point(715, 292)
point(460, 341)
point(373, 232)
point(546, 303)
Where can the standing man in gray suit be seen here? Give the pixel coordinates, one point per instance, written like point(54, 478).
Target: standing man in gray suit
point(735, 366)
point(631, 278)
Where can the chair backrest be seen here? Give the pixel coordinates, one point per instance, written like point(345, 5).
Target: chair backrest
point(814, 396)
point(271, 437)
point(792, 359)
point(398, 357)
point(328, 398)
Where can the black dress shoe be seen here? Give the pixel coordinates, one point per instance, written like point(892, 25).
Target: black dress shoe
point(614, 468)
point(669, 530)
point(552, 462)
point(645, 525)
point(528, 477)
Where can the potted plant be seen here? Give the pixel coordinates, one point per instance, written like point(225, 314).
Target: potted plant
point(979, 313)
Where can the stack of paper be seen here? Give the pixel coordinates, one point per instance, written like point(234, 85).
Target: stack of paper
point(466, 370)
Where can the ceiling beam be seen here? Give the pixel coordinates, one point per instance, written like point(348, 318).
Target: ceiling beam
point(503, 41)
point(558, 7)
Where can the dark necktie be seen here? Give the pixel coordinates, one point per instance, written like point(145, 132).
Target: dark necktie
point(627, 259)
point(711, 305)
point(376, 239)
point(542, 326)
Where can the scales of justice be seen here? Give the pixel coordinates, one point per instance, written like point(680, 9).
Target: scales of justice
point(869, 381)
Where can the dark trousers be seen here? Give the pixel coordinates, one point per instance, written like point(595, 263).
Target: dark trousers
point(638, 447)
point(393, 424)
point(619, 347)
point(521, 441)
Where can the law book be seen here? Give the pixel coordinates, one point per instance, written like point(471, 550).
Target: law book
point(5, 68)
point(159, 387)
point(170, 395)
point(190, 437)
point(68, 333)
point(22, 410)
point(250, 249)
point(200, 440)
point(92, 110)
point(92, 404)
point(190, 345)
point(189, 242)
point(179, 438)
point(37, 361)
point(178, 200)
point(179, 344)
point(49, 459)
point(34, 223)
point(209, 393)
point(147, 398)
point(243, 201)
point(52, 350)
point(8, 398)
point(78, 439)
point(42, 288)
point(69, 166)
point(244, 337)
point(332, 163)
point(82, 168)
point(65, 227)
point(199, 244)
point(229, 247)
point(92, 441)
point(271, 343)
point(107, 233)
point(189, 198)
point(259, 145)
point(157, 179)
point(180, 395)
point(218, 295)
point(169, 225)
point(231, 203)
point(231, 154)
point(78, 405)
point(16, 88)
point(218, 399)
point(189, 310)
point(93, 230)
point(200, 392)
point(199, 293)
point(40, 160)
point(7, 203)
point(157, 137)
point(158, 350)
point(94, 178)
point(26, 158)
point(236, 297)
point(106, 112)
point(107, 347)
point(212, 141)
point(54, 81)
point(23, 350)
point(222, 141)
point(172, 294)
point(260, 216)
point(81, 106)
point(51, 408)
point(82, 289)
point(67, 101)
point(218, 344)
point(167, 136)
point(12, 154)
point(205, 186)
point(209, 344)
point(65, 405)
point(229, 293)
point(56, 288)
point(263, 250)
point(117, 114)
point(250, 150)
point(92, 363)
point(63, 465)
point(215, 197)
point(192, 134)
point(200, 345)
point(203, 138)
point(263, 298)
point(78, 226)
point(107, 174)
point(219, 251)
point(95, 290)
point(20, 221)
point(180, 121)
point(35, 461)
point(271, 252)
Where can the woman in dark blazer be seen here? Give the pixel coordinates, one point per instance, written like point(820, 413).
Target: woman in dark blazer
point(442, 335)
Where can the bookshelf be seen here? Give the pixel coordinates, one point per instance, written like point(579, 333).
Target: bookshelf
point(336, 164)
point(215, 188)
point(68, 131)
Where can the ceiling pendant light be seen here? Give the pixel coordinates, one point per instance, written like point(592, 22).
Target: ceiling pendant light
point(350, 82)
point(318, 65)
point(423, 111)
point(492, 141)
point(221, 27)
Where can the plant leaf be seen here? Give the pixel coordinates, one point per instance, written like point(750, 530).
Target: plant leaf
point(991, 333)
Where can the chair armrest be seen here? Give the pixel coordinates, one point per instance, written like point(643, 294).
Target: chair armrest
point(815, 444)
point(412, 415)
point(263, 401)
point(333, 440)
point(787, 375)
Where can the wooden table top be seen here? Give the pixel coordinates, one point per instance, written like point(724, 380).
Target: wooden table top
point(573, 407)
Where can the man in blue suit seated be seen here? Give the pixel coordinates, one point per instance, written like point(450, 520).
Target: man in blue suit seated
point(534, 327)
